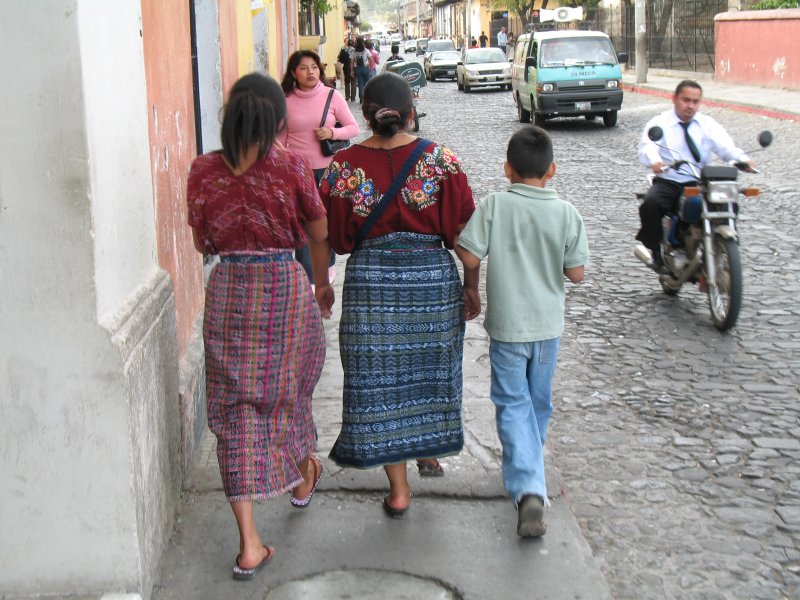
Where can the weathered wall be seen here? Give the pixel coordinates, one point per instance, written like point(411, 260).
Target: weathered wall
point(229, 49)
point(88, 354)
point(170, 102)
point(759, 47)
point(170, 112)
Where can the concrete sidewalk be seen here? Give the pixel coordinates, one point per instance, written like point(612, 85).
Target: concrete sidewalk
point(458, 539)
point(770, 102)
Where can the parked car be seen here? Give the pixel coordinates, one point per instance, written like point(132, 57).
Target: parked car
point(441, 64)
point(422, 45)
point(439, 45)
point(567, 73)
point(483, 67)
point(410, 46)
point(396, 38)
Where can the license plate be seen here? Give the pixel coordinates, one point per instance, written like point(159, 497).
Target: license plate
point(583, 106)
point(491, 78)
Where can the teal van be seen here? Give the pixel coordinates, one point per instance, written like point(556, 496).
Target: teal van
point(567, 74)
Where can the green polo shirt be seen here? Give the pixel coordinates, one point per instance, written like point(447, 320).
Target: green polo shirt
point(530, 236)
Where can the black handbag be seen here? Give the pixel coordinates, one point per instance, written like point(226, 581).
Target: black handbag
point(331, 147)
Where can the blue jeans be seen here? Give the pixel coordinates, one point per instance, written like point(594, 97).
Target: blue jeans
point(522, 376)
point(362, 77)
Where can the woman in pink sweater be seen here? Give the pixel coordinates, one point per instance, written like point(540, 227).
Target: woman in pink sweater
point(306, 95)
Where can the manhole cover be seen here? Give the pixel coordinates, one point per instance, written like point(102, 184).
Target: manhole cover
point(363, 584)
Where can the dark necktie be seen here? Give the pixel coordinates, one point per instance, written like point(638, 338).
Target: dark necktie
point(690, 142)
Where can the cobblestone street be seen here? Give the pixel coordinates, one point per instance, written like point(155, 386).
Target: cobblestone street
point(677, 445)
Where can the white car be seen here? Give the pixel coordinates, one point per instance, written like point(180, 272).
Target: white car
point(410, 46)
point(441, 64)
point(483, 67)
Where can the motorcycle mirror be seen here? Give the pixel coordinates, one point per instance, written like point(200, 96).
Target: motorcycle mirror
point(655, 133)
point(764, 138)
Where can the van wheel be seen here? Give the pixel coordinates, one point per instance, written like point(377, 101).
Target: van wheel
point(538, 119)
point(610, 118)
point(524, 115)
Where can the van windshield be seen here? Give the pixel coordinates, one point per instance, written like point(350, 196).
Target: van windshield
point(577, 51)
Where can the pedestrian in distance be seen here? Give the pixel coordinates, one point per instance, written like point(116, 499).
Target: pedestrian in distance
point(361, 66)
point(306, 99)
point(395, 204)
point(375, 57)
point(346, 59)
point(688, 135)
point(502, 39)
point(532, 240)
point(483, 39)
point(394, 57)
point(252, 203)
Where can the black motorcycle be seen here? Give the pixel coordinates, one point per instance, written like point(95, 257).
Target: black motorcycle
point(700, 243)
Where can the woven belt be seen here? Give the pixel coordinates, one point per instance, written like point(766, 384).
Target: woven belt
point(257, 258)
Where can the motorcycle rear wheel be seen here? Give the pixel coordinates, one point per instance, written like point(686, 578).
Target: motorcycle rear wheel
point(725, 293)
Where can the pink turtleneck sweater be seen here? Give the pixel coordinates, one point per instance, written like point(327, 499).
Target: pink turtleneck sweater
point(304, 113)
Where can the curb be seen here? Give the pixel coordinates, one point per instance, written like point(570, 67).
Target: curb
point(748, 108)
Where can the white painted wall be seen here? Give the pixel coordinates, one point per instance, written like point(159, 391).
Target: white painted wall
point(209, 67)
point(88, 365)
point(115, 104)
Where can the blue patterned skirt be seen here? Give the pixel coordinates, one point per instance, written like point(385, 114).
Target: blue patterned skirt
point(401, 340)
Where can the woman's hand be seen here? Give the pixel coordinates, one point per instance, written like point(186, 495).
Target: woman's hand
point(325, 297)
point(324, 133)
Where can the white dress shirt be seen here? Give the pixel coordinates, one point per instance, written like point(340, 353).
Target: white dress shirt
point(708, 135)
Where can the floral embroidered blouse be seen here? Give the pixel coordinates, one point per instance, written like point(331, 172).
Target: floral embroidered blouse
point(435, 198)
point(265, 207)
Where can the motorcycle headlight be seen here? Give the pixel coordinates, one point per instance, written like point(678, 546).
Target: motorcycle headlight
point(612, 83)
point(721, 193)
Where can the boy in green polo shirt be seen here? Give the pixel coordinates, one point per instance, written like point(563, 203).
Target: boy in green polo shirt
point(532, 240)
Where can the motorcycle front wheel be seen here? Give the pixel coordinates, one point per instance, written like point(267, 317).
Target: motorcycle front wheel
point(725, 293)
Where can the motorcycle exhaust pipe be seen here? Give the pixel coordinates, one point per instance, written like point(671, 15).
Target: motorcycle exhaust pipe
point(642, 252)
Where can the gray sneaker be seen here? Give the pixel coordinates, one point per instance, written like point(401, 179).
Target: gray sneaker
point(530, 521)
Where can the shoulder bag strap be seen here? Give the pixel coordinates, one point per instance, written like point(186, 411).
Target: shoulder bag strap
point(391, 192)
point(325, 112)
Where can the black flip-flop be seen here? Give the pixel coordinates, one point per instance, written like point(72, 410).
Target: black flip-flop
point(427, 468)
point(242, 574)
point(395, 513)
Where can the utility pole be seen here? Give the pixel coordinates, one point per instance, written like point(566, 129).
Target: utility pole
point(641, 41)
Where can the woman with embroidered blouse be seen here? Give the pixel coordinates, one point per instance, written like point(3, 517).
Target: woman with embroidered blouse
point(401, 333)
point(253, 203)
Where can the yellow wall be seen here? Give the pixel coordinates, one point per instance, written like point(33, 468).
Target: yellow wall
point(244, 37)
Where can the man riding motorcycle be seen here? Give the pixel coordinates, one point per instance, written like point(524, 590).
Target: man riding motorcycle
point(688, 135)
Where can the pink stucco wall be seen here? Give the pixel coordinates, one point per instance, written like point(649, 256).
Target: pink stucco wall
point(759, 48)
point(170, 110)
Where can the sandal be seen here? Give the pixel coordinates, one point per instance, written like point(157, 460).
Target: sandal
point(242, 574)
point(395, 513)
point(318, 468)
point(430, 467)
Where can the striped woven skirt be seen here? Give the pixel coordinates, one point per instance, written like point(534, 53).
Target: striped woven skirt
point(401, 341)
point(265, 347)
